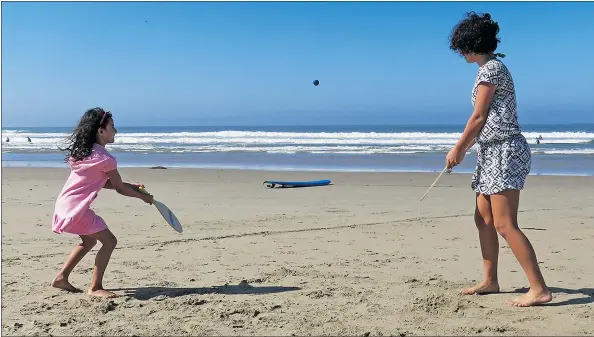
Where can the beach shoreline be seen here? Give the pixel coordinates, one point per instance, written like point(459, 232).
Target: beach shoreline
point(428, 166)
point(359, 256)
point(563, 150)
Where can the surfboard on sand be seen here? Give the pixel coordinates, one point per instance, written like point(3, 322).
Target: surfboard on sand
point(279, 183)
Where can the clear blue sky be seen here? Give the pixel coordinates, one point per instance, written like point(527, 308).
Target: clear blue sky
point(241, 63)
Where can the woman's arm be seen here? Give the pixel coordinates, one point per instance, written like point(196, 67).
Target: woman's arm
point(484, 96)
point(471, 144)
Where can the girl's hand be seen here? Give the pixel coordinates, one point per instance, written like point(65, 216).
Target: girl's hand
point(144, 195)
point(454, 157)
point(137, 187)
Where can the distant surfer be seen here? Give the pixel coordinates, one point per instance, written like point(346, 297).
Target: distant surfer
point(7, 139)
point(29, 139)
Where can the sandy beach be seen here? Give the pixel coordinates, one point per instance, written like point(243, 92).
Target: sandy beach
point(359, 257)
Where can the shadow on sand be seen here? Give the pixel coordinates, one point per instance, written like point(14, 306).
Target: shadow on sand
point(587, 292)
point(147, 293)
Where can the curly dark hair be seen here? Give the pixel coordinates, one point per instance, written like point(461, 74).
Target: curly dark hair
point(85, 134)
point(475, 34)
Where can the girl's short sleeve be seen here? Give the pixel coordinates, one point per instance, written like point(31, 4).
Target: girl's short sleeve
point(108, 163)
point(99, 160)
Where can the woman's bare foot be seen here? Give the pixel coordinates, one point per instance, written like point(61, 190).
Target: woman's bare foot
point(62, 283)
point(482, 288)
point(531, 298)
point(102, 293)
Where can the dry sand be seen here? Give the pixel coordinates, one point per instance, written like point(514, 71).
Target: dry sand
point(353, 258)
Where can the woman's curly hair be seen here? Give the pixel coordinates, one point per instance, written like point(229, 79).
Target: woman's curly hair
point(475, 34)
point(85, 134)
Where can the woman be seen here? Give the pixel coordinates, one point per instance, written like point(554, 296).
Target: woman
point(504, 158)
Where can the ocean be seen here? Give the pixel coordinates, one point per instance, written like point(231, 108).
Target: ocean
point(563, 150)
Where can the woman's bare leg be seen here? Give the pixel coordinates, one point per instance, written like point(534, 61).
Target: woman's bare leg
point(483, 218)
point(504, 206)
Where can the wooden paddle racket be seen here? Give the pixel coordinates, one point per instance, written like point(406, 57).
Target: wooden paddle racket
point(166, 213)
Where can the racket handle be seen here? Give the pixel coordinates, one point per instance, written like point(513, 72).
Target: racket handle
point(143, 191)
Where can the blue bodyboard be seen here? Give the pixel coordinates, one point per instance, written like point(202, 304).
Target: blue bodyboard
point(274, 183)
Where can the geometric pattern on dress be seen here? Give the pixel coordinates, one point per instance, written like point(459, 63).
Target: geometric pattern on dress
point(504, 157)
point(502, 165)
point(502, 120)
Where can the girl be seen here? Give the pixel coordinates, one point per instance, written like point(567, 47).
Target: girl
point(504, 158)
point(92, 168)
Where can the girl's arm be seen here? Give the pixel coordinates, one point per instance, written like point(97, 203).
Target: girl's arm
point(110, 186)
point(116, 183)
point(484, 96)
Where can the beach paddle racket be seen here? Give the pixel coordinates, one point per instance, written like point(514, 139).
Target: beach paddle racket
point(166, 213)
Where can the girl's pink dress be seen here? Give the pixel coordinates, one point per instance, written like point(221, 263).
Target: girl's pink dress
point(88, 176)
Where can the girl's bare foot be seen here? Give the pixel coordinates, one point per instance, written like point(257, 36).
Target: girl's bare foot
point(102, 293)
point(531, 298)
point(482, 288)
point(62, 283)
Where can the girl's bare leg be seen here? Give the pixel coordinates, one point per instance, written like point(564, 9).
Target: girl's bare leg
point(505, 213)
point(483, 219)
point(61, 281)
point(109, 242)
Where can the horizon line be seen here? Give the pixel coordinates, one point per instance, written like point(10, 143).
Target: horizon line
point(297, 125)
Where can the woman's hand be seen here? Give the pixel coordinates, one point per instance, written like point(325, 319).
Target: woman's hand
point(454, 157)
